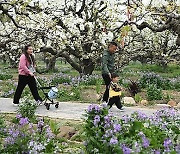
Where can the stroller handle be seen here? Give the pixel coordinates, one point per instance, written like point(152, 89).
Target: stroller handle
point(40, 86)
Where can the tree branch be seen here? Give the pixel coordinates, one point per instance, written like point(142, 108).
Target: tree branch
point(7, 35)
point(167, 15)
point(118, 28)
point(60, 23)
point(81, 9)
point(48, 49)
point(146, 25)
point(5, 11)
point(71, 62)
point(64, 54)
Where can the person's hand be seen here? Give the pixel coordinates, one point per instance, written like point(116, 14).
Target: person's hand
point(31, 74)
point(110, 75)
point(119, 89)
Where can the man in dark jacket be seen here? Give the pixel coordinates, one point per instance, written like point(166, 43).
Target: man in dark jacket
point(108, 67)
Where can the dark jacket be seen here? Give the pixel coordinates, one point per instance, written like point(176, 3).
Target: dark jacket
point(114, 89)
point(107, 62)
point(115, 86)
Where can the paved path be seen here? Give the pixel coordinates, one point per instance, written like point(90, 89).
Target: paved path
point(68, 110)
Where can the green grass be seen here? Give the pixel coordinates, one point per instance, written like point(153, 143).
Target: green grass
point(59, 67)
point(4, 68)
point(131, 70)
point(172, 70)
point(71, 72)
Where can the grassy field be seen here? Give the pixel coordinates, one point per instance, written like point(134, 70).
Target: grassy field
point(133, 69)
point(171, 71)
point(91, 93)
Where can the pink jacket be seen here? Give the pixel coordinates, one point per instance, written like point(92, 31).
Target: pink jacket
point(23, 66)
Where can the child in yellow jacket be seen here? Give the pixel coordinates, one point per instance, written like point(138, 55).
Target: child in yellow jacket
point(115, 92)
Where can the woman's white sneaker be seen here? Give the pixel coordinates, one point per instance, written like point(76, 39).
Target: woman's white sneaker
point(39, 103)
point(15, 104)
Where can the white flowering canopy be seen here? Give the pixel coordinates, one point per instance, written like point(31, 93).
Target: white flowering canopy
point(79, 30)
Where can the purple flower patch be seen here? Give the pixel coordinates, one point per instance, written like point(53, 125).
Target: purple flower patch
point(96, 120)
point(113, 141)
point(24, 121)
point(117, 127)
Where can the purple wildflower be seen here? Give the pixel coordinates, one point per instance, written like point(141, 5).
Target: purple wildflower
point(166, 113)
point(107, 125)
point(89, 108)
point(94, 107)
point(145, 142)
point(108, 133)
point(30, 125)
point(9, 140)
point(24, 121)
point(35, 147)
point(177, 148)
point(125, 149)
point(141, 134)
point(97, 108)
point(18, 116)
point(113, 141)
point(125, 118)
point(107, 119)
point(157, 152)
point(142, 115)
point(104, 105)
point(49, 133)
point(167, 143)
point(15, 133)
point(40, 124)
point(96, 120)
point(117, 127)
point(137, 147)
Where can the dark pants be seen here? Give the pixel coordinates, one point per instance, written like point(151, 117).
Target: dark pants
point(22, 82)
point(116, 100)
point(107, 81)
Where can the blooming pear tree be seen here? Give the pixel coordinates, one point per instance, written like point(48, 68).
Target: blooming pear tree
point(150, 32)
point(79, 30)
point(19, 26)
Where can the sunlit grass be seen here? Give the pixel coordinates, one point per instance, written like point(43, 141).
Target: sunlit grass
point(171, 71)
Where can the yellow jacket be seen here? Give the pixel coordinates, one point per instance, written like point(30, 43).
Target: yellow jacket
point(112, 91)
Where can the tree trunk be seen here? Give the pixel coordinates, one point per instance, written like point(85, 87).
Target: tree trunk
point(13, 63)
point(46, 60)
point(51, 63)
point(163, 64)
point(84, 67)
point(3, 59)
point(87, 66)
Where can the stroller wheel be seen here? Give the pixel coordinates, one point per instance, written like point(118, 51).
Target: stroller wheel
point(47, 106)
point(57, 105)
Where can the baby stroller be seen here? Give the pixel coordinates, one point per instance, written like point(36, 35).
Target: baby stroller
point(50, 94)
